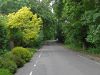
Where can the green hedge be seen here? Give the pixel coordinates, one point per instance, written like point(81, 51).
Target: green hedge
point(8, 64)
point(3, 34)
point(4, 72)
point(24, 53)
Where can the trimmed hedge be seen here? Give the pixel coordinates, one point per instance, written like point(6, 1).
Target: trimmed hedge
point(18, 60)
point(17, 57)
point(24, 53)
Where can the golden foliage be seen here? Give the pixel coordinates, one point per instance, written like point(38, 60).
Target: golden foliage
point(25, 21)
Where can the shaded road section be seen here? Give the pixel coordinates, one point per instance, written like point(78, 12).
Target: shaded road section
point(54, 59)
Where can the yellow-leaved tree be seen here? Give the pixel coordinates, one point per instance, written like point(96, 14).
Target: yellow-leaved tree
point(24, 25)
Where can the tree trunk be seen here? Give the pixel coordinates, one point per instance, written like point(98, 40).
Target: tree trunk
point(85, 45)
point(11, 44)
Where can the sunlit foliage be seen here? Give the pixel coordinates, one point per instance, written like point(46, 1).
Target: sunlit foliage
point(24, 25)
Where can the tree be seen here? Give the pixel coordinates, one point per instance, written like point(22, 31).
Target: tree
point(3, 33)
point(58, 9)
point(10, 6)
point(80, 21)
point(24, 26)
point(43, 9)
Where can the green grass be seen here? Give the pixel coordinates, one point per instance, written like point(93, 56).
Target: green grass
point(5, 72)
point(90, 51)
point(73, 47)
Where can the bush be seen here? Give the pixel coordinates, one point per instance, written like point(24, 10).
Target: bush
point(94, 51)
point(37, 43)
point(8, 64)
point(18, 60)
point(24, 53)
point(5, 72)
point(32, 50)
point(3, 34)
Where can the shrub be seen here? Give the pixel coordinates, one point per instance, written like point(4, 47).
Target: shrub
point(24, 53)
point(32, 50)
point(94, 51)
point(3, 34)
point(8, 64)
point(4, 72)
point(18, 60)
point(37, 43)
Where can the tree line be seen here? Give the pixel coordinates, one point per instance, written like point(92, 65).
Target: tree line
point(24, 25)
point(73, 22)
point(79, 22)
point(10, 35)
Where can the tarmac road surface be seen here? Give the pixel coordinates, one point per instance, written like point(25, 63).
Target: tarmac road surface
point(54, 59)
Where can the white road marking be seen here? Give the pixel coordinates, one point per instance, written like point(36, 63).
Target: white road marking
point(34, 65)
point(37, 60)
point(40, 55)
point(30, 73)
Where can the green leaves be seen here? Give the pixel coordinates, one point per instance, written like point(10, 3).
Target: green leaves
point(96, 17)
point(3, 33)
point(83, 22)
point(24, 25)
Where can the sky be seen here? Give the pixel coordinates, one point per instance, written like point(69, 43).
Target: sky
point(51, 3)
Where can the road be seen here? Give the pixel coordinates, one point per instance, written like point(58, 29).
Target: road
point(54, 59)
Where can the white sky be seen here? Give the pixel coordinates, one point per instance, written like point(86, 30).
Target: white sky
point(52, 2)
point(40, 0)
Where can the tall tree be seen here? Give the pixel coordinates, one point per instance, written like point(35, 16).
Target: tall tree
point(58, 9)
